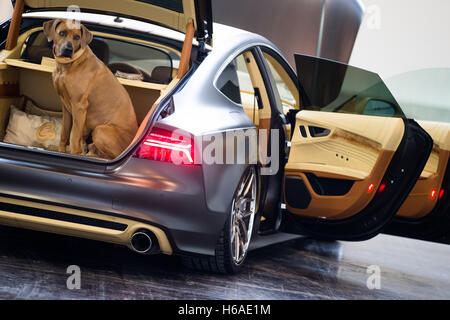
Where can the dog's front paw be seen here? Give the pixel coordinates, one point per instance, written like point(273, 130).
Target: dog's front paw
point(62, 148)
point(76, 152)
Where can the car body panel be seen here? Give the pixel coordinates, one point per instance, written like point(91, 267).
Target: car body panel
point(214, 114)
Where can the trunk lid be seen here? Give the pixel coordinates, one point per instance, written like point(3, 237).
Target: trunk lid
point(174, 14)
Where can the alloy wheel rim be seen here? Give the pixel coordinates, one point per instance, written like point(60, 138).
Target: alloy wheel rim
point(243, 215)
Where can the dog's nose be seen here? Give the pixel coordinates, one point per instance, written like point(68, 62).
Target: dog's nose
point(67, 50)
point(69, 45)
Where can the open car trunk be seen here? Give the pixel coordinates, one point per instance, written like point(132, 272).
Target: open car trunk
point(31, 110)
point(30, 89)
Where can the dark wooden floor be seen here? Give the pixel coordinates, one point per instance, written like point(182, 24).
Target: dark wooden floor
point(33, 266)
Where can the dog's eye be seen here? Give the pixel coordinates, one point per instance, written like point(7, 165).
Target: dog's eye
point(62, 33)
point(77, 37)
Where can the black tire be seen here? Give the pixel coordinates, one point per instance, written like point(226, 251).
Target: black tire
point(222, 262)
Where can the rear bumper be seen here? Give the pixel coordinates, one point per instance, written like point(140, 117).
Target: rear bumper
point(32, 215)
point(167, 199)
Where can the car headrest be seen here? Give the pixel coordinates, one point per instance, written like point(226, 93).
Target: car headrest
point(37, 47)
point(36, 53)
point(161, 74)
point(101, 49)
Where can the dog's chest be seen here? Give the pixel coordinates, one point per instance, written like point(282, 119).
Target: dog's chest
point(59, 81)
point(62, 86)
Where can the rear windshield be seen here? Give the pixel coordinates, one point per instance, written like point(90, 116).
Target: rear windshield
point(125, 59)
point(336, 87)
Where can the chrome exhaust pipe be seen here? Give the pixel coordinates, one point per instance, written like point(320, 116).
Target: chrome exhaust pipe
point(141, 241)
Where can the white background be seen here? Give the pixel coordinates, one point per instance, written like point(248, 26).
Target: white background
point(5, 10)
point(407, 42)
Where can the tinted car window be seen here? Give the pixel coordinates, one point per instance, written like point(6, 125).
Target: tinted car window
point(228, 82)
point(378, 107)
point(235, 82)
point(335, 87)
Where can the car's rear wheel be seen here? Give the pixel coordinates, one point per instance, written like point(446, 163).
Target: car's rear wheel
point(232, 246)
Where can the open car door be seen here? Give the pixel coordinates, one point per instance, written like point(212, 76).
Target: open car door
point(425, 214)
point(354, 157)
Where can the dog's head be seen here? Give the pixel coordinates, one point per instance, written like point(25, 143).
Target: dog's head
point(68, 36)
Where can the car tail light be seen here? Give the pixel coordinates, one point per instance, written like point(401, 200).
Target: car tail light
point(370, 188)
point(433, 194)
point(167, 146)
point(441, 194)
point(382, 187)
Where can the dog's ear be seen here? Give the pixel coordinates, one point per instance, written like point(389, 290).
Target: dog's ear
point(50, 28)
point(86, 36)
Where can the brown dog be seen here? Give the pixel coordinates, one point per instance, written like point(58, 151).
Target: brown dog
point(93, 99)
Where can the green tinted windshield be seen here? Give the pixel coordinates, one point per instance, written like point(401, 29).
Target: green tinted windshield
point(336, 87)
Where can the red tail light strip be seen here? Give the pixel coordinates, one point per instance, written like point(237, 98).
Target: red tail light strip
point(167, 146)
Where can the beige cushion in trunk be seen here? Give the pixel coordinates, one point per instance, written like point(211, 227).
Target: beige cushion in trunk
point(32, 130)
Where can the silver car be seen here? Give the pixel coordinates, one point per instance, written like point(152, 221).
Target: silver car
point(237, 148)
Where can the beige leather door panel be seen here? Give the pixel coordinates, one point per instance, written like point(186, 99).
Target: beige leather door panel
point(354, 149)
point(425, 194)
